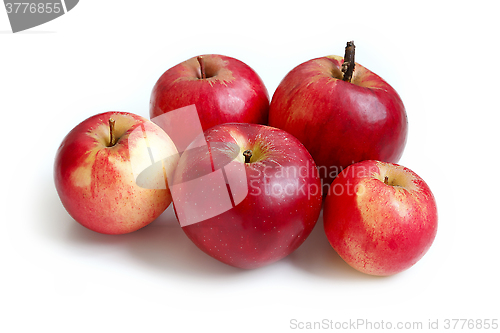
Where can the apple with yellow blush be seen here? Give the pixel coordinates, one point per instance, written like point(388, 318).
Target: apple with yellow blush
point(111, 172)
point(380, 217)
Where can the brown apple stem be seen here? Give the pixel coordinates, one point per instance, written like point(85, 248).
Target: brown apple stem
point(248, 155)
point(202, 67)
point(386, 180)
point(111, 132)
point(348, 64)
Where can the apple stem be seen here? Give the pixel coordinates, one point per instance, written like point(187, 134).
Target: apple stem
point(348, 64)
point(386, 180)
point(248, 155)
point(111, 132)
point(202, 67)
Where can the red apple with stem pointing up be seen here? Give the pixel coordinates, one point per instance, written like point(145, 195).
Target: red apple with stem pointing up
point(380, 217)
point(341, 111)
point(246, 194)
point(223, 89)
point(111, 172)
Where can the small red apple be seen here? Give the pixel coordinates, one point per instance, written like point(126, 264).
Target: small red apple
point(223, 89)
point(341, 111)
point(380, 217)
point(110, 172)
point(246, 194)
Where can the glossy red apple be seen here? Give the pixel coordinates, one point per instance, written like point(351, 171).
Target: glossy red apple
point(380, 217)
point(246, 194)
point(340, 122)
point(222, 88)
point(110, 172)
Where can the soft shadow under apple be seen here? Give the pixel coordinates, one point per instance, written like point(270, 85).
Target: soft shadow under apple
point(161, 245)
point(164, 246)
point(316, 256)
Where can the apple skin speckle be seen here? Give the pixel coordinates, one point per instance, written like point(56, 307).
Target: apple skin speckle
point(377, 228)
point(287, 210)
point(95, 181)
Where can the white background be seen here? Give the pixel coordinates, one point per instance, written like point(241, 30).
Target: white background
point(57, 276)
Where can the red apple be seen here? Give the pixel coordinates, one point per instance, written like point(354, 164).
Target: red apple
point(340, 122)
point(246, 194)
point(110, 172)
point(222, 88)
point(380, 217)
